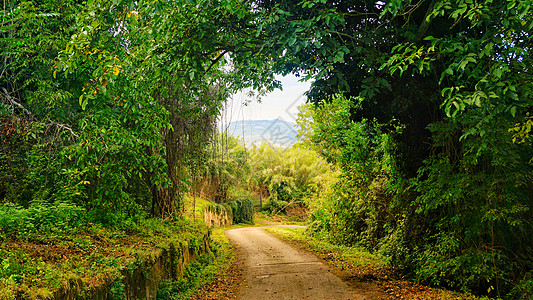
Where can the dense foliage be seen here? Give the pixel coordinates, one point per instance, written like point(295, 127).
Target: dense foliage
point(112, 105)
point(288, 177)
point(431, 134)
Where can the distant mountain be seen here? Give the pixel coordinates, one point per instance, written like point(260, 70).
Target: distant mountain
point(254, 132)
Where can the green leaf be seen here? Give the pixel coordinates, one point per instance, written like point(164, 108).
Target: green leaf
point(497, 73)
point(339, 57)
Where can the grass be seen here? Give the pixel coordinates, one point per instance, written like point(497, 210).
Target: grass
point(341, 256)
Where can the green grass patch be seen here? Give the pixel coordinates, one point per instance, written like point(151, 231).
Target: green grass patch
point(341, 256)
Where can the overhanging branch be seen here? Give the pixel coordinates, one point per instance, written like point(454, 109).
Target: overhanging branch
point(10, 100)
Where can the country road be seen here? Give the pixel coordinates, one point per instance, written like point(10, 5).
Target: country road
point(274, 269)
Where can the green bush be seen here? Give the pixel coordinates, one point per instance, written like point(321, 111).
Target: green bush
point(243, 211)
point(42, 218)
point(274, 206)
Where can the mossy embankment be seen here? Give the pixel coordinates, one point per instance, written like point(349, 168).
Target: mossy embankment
point(41, 260)
point(57, 252)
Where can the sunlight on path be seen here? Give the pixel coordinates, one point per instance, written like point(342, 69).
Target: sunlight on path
point(275, 270)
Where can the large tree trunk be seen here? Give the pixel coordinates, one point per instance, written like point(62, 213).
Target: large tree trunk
point(166, 201)
point(192, 120)
point(163, 201)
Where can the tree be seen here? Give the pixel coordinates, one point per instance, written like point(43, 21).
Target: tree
point(444, 81)
point(133, 88)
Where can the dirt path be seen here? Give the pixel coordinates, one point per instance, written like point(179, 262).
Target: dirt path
point(274, 269)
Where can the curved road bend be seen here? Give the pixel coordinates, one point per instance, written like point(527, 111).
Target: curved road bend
point(274, 269)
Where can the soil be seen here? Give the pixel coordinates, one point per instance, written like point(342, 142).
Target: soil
point(225, 286)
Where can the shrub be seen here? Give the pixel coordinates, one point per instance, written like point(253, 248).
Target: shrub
point(275, 206)
point(243, 211)
point(43, 218)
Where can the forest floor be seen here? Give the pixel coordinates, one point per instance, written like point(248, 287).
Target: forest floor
point(361, 276)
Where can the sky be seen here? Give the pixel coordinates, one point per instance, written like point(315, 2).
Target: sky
point(280, 104)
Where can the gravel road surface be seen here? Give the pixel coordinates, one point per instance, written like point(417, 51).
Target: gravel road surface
point(274, 269)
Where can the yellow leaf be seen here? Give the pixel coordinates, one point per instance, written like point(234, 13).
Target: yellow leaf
point(217, 54)
point(116, 70)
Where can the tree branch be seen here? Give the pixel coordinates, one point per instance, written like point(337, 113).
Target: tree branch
point(11, 101)
point(213, 62)
point(425, 23)
point(63, 127)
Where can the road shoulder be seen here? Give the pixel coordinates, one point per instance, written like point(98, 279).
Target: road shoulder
point(364, 273)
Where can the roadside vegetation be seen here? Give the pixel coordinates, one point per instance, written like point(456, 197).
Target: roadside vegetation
point(202, 271)
point(357, 265)
point(49, 261)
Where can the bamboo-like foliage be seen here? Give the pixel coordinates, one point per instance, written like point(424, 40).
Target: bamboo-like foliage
point(294, 175)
